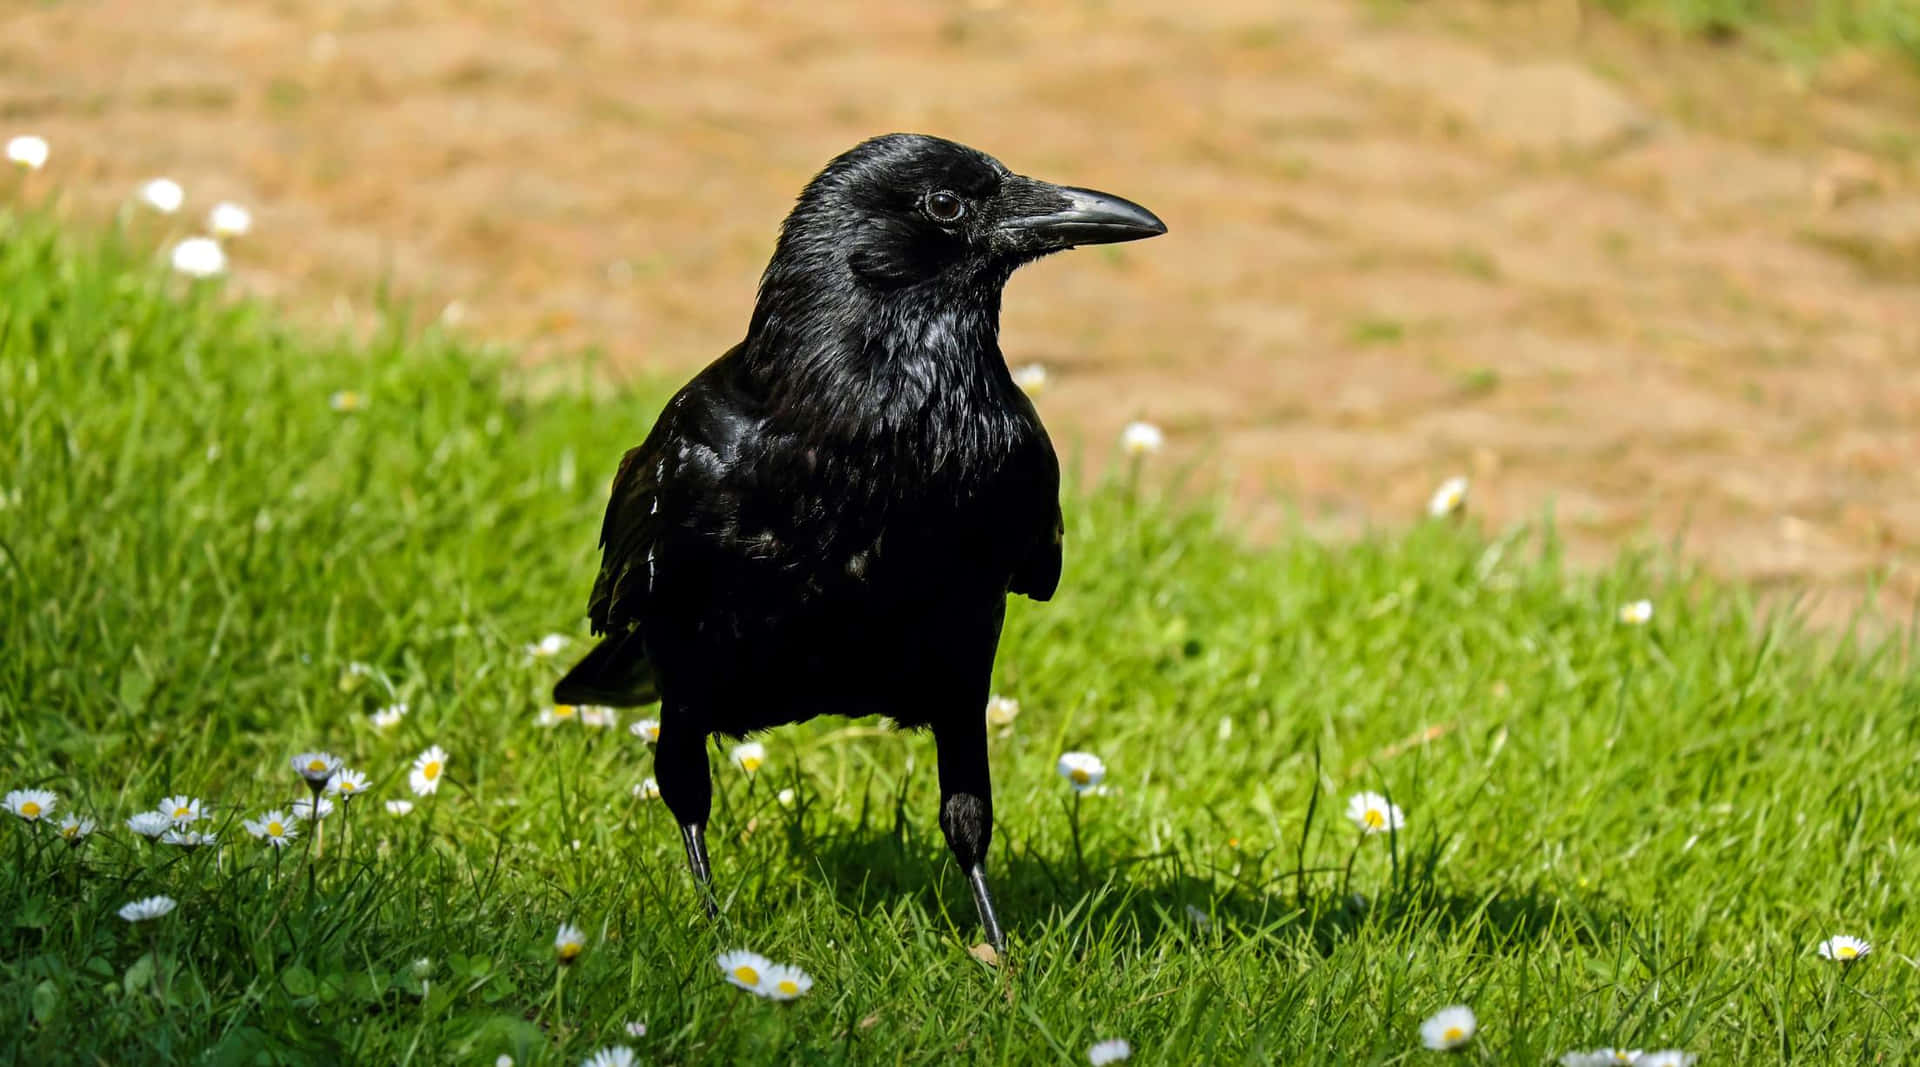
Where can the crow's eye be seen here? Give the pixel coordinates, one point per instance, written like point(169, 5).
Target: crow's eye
point(944, 206)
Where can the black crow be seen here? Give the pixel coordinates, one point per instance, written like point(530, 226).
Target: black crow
point(829, 518)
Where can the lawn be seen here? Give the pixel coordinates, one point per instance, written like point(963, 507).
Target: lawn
point(213, 558)
point(1792, 29)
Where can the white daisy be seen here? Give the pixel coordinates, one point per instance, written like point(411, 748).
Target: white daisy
point(274, 828)
point(611, 1056)
point(1032, 379)
point(346, 401)
point(307, 809)
point(748, 970)
point(1844, 949)
point(1638, 613)
point(1001, 711)
point(1450, 497)
point(1602, 1057)
point(1110, 1051)
point(199, 257)
point(150, 823)
point(151, 908)
point(1374, 814)
point(647, 730)
point(347, 784)
point(74, 829)
point(599, 718)
point(1082, 770)
point(569, 943)
point(559, 713)
point(32, 804)
point(786, 797)
point(550, 645)
point(316, 767)
point(181, 809)
point(389, 717)
point(427, 770)
point(784, 981)
point(399, 807)
point(163, 195)
point(636, 1028)
point(648, 789)
point(188, 838)
point(750, 756)
point(1667, 1057)
point(27, 152)
point(228, 219)
point(1449, 1028)
point(503, 1060)
point(1142, 439)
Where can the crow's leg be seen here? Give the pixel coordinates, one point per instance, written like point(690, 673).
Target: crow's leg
point(680, 768)
point(966, 808)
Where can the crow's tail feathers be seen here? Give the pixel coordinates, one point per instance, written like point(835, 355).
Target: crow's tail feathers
point(615, 673)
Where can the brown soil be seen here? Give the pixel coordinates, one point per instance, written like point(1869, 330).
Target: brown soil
point(1670, 290)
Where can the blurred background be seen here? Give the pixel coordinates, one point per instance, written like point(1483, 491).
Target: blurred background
point(1652, 265)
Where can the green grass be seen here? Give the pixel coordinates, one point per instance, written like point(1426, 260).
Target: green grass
point(1615, 835)
point(1793, 29)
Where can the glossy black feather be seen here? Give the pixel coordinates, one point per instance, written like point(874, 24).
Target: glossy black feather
point(829, 517)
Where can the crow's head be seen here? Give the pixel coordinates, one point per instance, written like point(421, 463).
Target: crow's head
point(904, 210)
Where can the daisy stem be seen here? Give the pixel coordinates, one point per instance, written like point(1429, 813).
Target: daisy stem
point(1346, 874)
point(1133, 485)
point(556, 1001)
point(1073, 825)
point(319, 824)
point(153, 947)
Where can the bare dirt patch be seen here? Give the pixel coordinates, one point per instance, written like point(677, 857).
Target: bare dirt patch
point(1673, 290)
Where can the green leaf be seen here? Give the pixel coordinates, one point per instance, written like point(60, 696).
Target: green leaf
point(139, 977)
point(46, 1002)
point(298, 981)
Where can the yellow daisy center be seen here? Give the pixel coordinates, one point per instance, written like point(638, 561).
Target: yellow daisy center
point(1080, 776)
point(275, 829)
point(571, 949)
point(30, 810)
point(1452, 1033)
point(653, 733)
point(1374, 818)
point(431, 770)
point(316, 766)
point(789, 987)
point(750, 763)
point(563, 711)
point(1847, 952)
point(747, 974)
point(346, 786)
point(183, 812)
point(70, 831)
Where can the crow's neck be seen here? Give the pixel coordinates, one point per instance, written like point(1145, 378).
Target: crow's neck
point(909, 366)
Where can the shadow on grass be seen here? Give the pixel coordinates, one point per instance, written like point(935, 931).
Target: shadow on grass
point(1170, 896)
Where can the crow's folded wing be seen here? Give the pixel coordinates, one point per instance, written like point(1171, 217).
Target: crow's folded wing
point(662, 487)
point(629, 541)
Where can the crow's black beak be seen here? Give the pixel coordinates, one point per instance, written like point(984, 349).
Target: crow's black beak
point(1058, 216)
